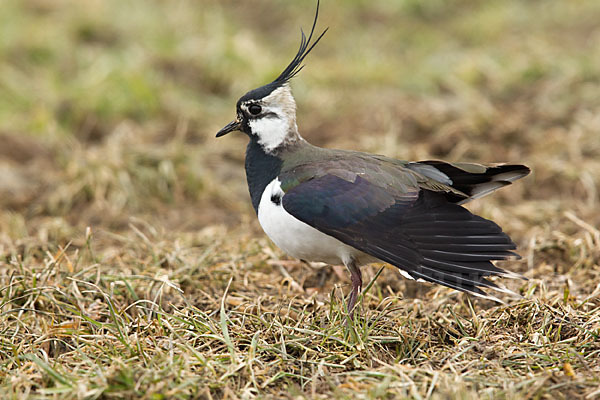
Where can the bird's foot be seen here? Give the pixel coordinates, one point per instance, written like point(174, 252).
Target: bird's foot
point(356, 278)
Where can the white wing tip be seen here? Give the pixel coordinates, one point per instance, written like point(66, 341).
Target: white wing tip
point(512, 275)
point(488, 297)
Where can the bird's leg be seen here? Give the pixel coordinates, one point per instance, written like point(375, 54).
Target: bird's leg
point(356, 278)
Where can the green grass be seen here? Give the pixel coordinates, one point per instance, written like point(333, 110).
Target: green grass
point(128, 270)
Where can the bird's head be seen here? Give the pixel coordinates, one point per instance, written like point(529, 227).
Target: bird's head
point(268, 114)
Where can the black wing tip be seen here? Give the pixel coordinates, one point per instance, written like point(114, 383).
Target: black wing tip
point(467, 283)
point(295, 66)
point(516, 167)
point(520, 170)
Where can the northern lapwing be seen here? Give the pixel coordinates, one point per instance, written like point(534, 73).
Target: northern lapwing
point(339, 206)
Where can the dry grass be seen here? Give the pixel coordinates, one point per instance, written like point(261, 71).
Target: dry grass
point(107, 117)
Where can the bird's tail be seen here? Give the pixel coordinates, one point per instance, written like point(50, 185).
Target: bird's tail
point(475, 180)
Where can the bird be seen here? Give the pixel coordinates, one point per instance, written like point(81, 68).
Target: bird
point(355, 208)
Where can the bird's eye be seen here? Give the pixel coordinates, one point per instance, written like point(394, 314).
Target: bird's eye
point(255, 109)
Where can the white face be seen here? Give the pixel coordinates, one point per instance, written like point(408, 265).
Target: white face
point(276, 122)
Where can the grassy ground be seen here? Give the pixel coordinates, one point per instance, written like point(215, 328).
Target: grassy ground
point(128, 269)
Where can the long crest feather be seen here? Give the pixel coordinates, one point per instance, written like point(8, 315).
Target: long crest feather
point(295, 65)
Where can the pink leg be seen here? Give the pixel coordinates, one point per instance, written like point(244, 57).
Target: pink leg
point(356, 278)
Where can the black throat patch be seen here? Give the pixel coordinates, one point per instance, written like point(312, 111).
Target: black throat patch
point(261, 169)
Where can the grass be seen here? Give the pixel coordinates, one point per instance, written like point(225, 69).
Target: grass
point(128, 270)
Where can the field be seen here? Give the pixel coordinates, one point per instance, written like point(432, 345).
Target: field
point(131, 261)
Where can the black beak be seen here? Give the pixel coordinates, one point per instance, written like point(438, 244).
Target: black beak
point(230, 127)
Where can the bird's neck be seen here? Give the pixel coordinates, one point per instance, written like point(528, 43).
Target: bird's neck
point(262, 167)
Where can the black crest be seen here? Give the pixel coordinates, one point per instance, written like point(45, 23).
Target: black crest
point(305, 47)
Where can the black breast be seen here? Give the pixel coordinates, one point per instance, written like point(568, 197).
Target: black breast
point(261, 169)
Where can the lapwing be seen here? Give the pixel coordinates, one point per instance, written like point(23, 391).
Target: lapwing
point(354, 208)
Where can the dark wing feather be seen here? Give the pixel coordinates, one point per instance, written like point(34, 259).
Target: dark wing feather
point(474, 180)
point(416, 230)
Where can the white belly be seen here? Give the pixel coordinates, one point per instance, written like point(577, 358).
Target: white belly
point(297, 238)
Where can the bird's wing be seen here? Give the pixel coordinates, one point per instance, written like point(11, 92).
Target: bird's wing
point(472, 180)
point(388, 214)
